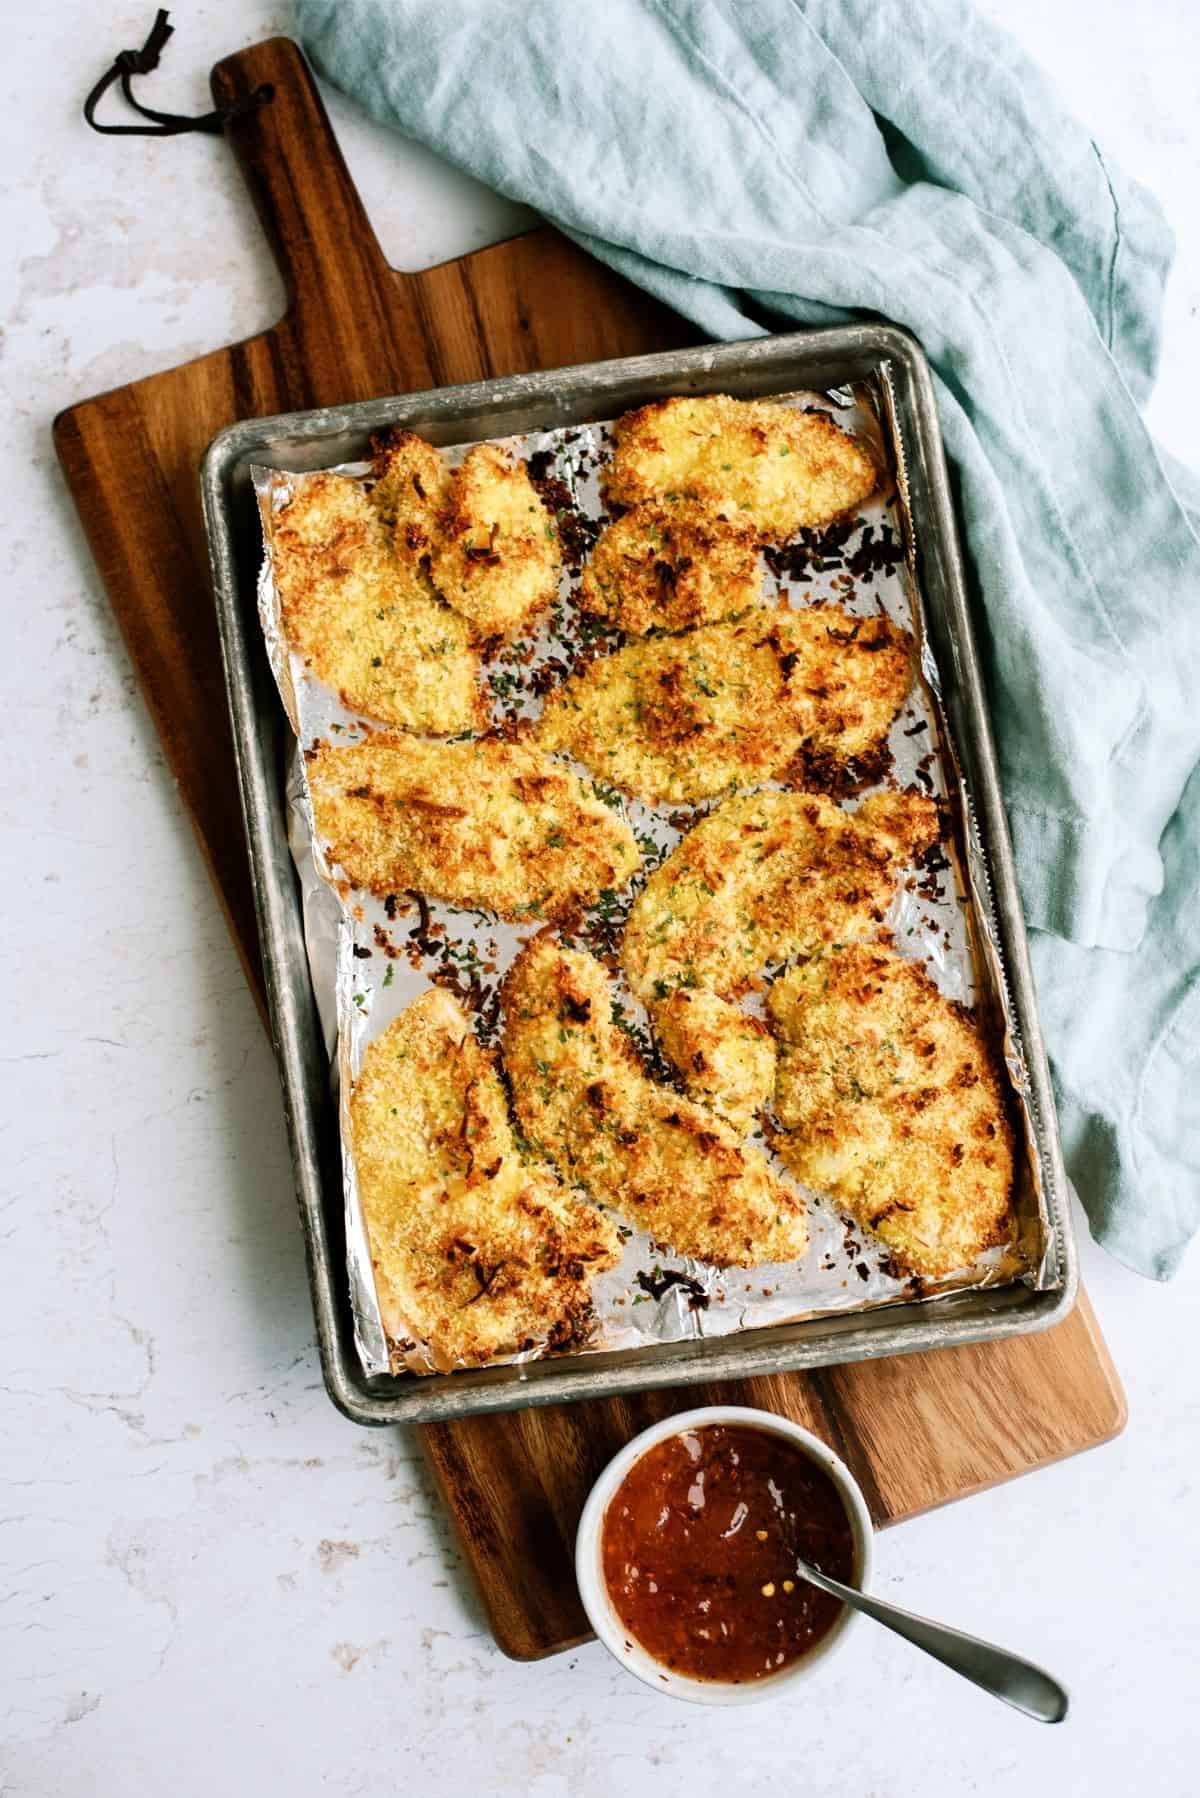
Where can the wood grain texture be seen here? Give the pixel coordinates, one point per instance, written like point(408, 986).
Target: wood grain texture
point(918, 1431)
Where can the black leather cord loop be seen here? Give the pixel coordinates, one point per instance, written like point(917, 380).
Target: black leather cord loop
point(128, 63)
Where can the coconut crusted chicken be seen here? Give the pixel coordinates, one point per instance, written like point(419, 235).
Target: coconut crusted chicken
point(479, 535)
point(785, 469)
point(890, 1102)
point(679, 719)
point(726, 1057)
point(477, 1251)
point(581, 1095)
point(767, 876)
point(488, 823)
point(411, 491)
point(671, 565)
point(496, 556)
point(362, 620)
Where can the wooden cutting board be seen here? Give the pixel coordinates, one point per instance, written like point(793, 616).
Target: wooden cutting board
point(918, 1431)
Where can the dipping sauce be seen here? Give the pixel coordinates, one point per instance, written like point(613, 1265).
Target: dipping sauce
point(699, 1546)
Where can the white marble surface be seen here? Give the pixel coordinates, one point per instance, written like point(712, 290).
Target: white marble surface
point(211, 1582)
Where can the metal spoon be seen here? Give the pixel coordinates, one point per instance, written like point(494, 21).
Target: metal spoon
point(1004, 1675)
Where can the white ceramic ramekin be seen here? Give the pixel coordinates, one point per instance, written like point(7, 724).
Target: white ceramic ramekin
point(589, 1569)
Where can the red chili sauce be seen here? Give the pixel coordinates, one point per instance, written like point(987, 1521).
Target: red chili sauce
point(699, 1545)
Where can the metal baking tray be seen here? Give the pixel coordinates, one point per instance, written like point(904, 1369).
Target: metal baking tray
point(301, 441)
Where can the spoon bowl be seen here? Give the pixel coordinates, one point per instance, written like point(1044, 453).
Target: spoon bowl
point(593, 1590)
point(1006, 1676)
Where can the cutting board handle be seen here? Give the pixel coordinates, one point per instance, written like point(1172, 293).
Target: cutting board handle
point(328, 255)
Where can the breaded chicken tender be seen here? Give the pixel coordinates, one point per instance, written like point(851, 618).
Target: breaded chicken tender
point(479, 534)
point(890, 1102)
point(582, 1097)
point(477, 1251)
point(411, 491)
point(670, 565)
point(488, 823)
point(783, 467)
point(726, 1057)
point(766, 876)
point(361, 620)
point(496, 558)
point(678, 719)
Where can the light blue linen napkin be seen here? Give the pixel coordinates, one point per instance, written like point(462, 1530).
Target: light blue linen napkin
point(763, 163)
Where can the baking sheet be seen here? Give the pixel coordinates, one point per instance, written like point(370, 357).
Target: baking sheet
point(369, 961)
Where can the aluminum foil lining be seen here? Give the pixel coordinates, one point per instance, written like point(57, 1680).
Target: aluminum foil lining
point(367, 965)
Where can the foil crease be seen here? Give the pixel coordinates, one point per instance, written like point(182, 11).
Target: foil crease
point(365, 969)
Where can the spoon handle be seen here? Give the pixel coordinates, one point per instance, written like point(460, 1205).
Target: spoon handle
point(1005, 1675)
